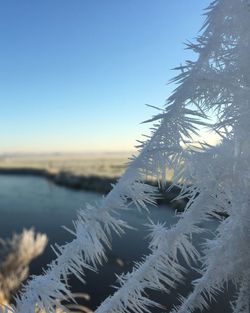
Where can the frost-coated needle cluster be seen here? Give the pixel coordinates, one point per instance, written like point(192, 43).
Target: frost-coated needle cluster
point(213, 91)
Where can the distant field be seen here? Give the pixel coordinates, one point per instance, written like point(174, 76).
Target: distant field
point(106, 164)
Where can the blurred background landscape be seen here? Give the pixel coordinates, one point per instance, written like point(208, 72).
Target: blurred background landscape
point(110, 164)
point(75, 77)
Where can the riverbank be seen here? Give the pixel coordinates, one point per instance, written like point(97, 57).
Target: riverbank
point(100, 184)
point(99, 164)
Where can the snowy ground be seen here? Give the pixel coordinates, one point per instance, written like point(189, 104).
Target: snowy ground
point(100, 164)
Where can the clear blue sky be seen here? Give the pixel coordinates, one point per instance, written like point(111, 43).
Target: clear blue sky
point(75, 74)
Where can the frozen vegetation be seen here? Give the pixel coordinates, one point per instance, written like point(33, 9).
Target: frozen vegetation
point(16, 254)
point(217, 85)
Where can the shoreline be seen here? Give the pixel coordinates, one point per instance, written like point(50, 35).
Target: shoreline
point(95, 183)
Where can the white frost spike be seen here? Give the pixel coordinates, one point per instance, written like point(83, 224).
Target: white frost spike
point(158, 271)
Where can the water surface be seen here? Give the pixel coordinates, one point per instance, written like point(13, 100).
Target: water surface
point(29, 201)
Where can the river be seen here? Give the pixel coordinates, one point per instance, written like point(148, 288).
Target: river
point(29, 201)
